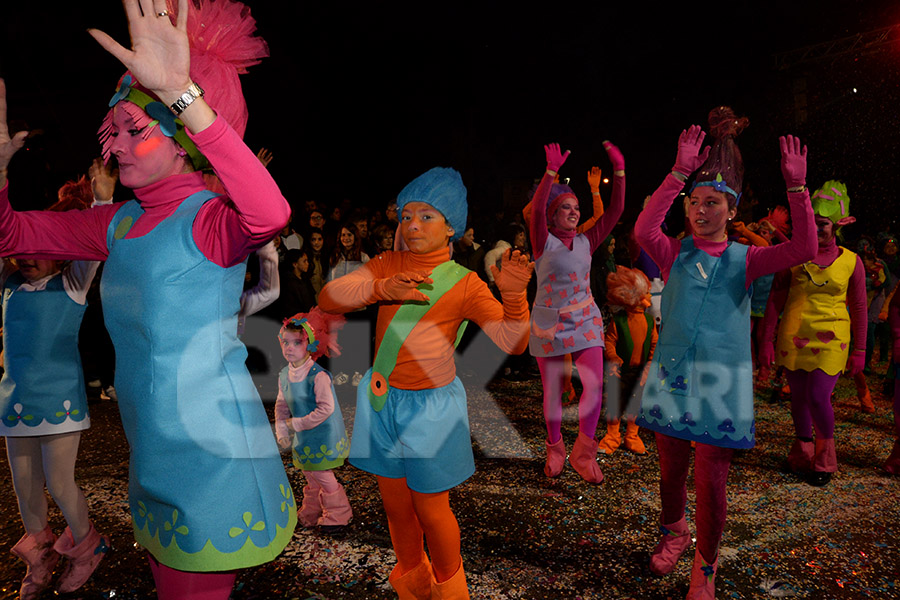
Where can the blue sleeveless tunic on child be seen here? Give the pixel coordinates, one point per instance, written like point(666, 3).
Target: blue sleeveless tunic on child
point(700, 386)
point(325, 446)
point(42, 390)
point(564, 280)
point(207, 487)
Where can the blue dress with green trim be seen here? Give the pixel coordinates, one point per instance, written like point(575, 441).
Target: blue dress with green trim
point(700, 386)
point(42, 391)
point(207, 487)
point(325, 446)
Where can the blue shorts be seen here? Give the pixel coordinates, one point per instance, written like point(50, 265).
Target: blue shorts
point(422, 435)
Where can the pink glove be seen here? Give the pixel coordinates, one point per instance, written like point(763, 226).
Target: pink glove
point(856, 362)
point(793, 161)
point(555, 158)
point(402, 286)
point(766, 354)
point(615, 156)
point(689, 157)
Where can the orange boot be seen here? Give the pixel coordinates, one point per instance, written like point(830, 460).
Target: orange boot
point(633, 441)
point(454, 588)
point(415, 584)
point(612, 439)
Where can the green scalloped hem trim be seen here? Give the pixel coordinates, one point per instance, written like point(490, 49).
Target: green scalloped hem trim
point(211, 559)
point(324, 465)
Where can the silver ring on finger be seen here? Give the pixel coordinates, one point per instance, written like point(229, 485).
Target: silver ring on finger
point(163, 13)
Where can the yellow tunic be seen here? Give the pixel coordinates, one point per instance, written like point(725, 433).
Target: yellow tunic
point(815, 329)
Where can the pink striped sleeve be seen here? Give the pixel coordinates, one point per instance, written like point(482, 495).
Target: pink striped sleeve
point(539, 231)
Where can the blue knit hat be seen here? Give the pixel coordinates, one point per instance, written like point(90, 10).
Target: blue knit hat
point(442, 189)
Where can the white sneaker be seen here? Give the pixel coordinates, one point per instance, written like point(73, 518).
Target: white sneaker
point(341, 378)
point(357, 377)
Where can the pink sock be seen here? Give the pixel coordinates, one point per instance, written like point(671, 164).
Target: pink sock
point(172, 584)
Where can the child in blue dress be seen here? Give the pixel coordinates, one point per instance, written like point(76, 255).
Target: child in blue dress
point(306, 407)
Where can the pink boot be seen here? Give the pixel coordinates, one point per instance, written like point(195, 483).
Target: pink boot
point(824, 463)
point(336, 511)
point(800, 457)
point(83, 558)
point(892, 465)
point(311, 509)
point(556, 458)
point(675, 539)
point(703, 579)
point(415, 584)
point(584, 459)
point(37, 552)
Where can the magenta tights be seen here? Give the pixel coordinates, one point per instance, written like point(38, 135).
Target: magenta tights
point(589, 362)
point(172, 584)
point(811, 403)
point(710, 475)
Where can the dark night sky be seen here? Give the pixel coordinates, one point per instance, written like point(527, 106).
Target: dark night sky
point(359, 98)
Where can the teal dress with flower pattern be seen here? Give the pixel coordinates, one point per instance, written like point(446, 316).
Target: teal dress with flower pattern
point(325, 446)
point(42, 390)
point(207, 487)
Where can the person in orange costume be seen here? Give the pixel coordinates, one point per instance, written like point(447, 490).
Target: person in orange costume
point(631, 336)
point(411, 428)
point(594, 178)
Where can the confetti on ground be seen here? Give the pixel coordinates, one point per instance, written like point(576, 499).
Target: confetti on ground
point(529, 537)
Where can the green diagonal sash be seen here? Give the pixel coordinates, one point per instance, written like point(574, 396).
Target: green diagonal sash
point(445, 276)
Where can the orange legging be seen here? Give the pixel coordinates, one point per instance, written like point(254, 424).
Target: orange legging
point(411, 514)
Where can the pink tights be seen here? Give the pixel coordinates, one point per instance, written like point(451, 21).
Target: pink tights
point(811, 403)
point(172, 584)
point(711, 465)
point(589, 362)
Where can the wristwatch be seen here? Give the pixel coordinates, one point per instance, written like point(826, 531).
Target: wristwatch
point(193, 92)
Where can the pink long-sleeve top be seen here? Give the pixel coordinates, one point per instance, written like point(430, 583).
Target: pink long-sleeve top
point(856, 297)
point(595, 234)
point(760, 260)
point(226, 229)
point(324, 401)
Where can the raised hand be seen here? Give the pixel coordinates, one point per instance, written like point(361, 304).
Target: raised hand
point(103, 180)
point(402, 286)
point(615, 156)
point(689, 157)
point(514, 273)
point(595, 178)
point(793, 161)
point(8, 145)
point(555, 157)
point(265, 156)
point(160, 55)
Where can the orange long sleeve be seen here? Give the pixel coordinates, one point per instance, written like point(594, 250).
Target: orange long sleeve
point(426, 358)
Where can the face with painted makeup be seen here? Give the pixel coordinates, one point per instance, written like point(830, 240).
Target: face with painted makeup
point(424, 228)
point(143, 161)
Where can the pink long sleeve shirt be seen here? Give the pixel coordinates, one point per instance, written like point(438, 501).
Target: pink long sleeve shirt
point(324, 402)
point(760, 260)
point(226, 229)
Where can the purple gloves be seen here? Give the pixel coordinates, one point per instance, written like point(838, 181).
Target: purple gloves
point(689, 157)
point(793, 161)
point(615, 156)
point(555, 158)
